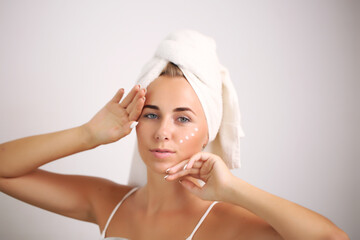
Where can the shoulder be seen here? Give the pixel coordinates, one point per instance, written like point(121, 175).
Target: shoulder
point(105, 195)
point(107, 190)
point(241, 223)
point(76, 196)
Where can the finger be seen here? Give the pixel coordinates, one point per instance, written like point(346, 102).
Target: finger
point(127, 100)
point(197, 157)
point(119, 94)
point(192, 172)
point(177, 167)
point(135, 113)
point(181, 166)
point(132, 104)
point(127, 128)
point(192, 187)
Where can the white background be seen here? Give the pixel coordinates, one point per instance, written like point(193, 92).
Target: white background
point(293, 64)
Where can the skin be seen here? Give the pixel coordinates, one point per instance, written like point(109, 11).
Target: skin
point(163, 208)
point(165, 128)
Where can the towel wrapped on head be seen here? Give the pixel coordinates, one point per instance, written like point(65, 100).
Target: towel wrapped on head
point(195, 54)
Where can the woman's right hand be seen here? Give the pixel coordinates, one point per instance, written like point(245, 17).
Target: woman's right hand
point(113, 121)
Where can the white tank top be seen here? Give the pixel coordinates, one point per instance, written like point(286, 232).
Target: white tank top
point(126, 196)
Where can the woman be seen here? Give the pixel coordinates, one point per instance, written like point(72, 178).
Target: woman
point(173, 128)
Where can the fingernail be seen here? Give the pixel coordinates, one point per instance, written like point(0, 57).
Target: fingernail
point(133, 125)
point(166, 176)
point(167, 171)
point(185, 166)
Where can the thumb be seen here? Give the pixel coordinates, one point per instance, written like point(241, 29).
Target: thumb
point(130, 126)
point(191, 187)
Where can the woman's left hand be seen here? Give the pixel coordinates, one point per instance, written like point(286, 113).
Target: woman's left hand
point(207, 167)
point(292, 221)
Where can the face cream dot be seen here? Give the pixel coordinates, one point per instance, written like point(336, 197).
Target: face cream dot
point(187, 138)
point(181, 141)
point(196, 129)
point(192, 134)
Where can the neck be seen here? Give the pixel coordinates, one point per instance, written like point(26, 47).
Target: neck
point(159, 195)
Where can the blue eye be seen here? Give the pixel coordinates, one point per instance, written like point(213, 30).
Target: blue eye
point(150, 115)
point(184, 119)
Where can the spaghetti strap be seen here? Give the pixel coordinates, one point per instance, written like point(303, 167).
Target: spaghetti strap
point(201, 220)
point(115, 209)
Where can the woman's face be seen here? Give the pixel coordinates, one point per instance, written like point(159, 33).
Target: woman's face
point(172, 126)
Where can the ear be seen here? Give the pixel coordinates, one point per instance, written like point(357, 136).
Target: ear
point(206, 142)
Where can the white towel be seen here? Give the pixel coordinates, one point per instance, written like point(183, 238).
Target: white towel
point(195, 54)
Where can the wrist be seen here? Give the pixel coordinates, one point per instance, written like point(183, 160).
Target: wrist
point(87, 136)
point(232, 193)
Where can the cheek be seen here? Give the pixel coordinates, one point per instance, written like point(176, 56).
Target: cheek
point(191, 139)
point(142, 132)
point(143, 142)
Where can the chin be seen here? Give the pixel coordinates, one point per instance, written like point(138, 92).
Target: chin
point(160, 165)
point(160, 168)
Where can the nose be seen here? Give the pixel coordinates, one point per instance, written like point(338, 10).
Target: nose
point(164, 131)
point(162, 137)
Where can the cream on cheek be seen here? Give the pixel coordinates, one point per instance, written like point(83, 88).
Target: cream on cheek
point(190, 140)
point(189, 135)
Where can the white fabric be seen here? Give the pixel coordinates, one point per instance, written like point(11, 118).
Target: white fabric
point(126, 196)
point(195, 54)
point(114, 211)
point(202, 220)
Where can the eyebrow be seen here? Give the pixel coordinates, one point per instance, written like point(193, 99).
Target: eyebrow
point(178, 109)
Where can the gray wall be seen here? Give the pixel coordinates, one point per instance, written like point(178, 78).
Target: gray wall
point(357, 118)
point(292, 62)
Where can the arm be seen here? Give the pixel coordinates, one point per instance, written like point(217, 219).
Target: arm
point(68, 195)
point(21, 156)
point(110, 124)
point(290, 220)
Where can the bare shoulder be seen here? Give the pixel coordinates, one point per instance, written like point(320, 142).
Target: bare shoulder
point(241, 223)
point(107, 191)
point(105, 196)
point(75, 196)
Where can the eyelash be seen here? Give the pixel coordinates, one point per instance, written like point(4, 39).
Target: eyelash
point(147, 115)
point(186, 118)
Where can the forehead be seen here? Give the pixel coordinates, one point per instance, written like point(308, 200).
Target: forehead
point(171, 92)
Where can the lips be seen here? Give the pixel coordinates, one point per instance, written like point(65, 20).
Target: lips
point(162, 150)
point(162, 153)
